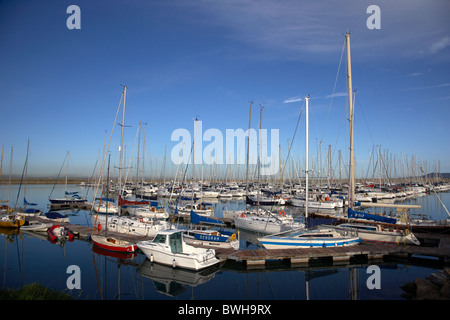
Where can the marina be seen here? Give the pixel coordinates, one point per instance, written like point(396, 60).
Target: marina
point(251, 258)
point(191, 151)
point(441, 250)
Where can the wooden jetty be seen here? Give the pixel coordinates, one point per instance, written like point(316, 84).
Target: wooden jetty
point(303, 256)
point(337, 255)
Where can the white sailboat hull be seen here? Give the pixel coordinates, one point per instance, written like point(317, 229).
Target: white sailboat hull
point(262, 224)
point(127, 225)
point(379, 236)
point(313, 204)
point(321, 238)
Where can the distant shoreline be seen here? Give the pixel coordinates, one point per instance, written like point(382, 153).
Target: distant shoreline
point(30, 181)
point(5, 181)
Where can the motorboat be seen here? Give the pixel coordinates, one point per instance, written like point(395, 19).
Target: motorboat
point(170, 248)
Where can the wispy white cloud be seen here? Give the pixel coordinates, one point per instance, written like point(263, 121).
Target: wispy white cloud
point(439, 45)
point(441, 85)
point(336, 94)
point(292, 99)
point(414, 74)
point(305, 30)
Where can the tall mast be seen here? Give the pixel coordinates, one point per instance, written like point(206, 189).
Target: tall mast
point(67, 170)
point(350, 104)
point(121, 143)
point(193, 154)
point(248, 151)
point(307, 155)
point(259, 157)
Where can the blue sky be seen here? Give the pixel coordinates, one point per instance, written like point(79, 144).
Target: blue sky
point(60, 88)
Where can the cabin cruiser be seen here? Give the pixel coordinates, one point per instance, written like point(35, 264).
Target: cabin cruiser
point(170, 248)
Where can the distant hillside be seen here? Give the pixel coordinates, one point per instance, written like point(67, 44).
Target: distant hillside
point(441, 175)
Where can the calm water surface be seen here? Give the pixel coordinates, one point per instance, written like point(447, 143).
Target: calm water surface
point(26, 258)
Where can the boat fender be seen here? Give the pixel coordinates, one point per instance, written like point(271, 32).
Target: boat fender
point(99, 227)
point(141, 220)
point(174, 264)
point(406, 232)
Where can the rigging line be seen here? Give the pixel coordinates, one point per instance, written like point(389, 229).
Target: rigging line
point(334, 88)
point(182, 182)
point(21, 179)
point(293, 137)
point(106, 152)
point(57, 177)
point(290, 147)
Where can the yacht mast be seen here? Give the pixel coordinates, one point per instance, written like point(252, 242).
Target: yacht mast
point(121, 144)
point(350, 104)
point(248, 151)
point(306, 162)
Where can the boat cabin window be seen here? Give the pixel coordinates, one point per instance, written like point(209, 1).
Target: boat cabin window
point(317, 235)
point(160, 238)
point(175, 242)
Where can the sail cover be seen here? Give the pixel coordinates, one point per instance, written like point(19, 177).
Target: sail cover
point(197, 219)
point(352, 214)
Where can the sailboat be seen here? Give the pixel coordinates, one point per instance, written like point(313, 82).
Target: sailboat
point(210, 237)
point(367, 232)
point(69, 197)
point(117, 222)
point(318, 237)
point(108, 242)
point(262, 221)
point(11, 221)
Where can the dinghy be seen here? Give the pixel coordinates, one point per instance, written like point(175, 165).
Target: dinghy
point(113, 244)
point(57, 232)
point(36, 226)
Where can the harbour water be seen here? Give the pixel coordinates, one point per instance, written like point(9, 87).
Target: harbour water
point(27, 258)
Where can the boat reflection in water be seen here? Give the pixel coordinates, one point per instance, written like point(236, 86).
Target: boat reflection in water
point(173, 281)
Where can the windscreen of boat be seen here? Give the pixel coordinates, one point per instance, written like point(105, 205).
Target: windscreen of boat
point(175, 242)
point(160, 238)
